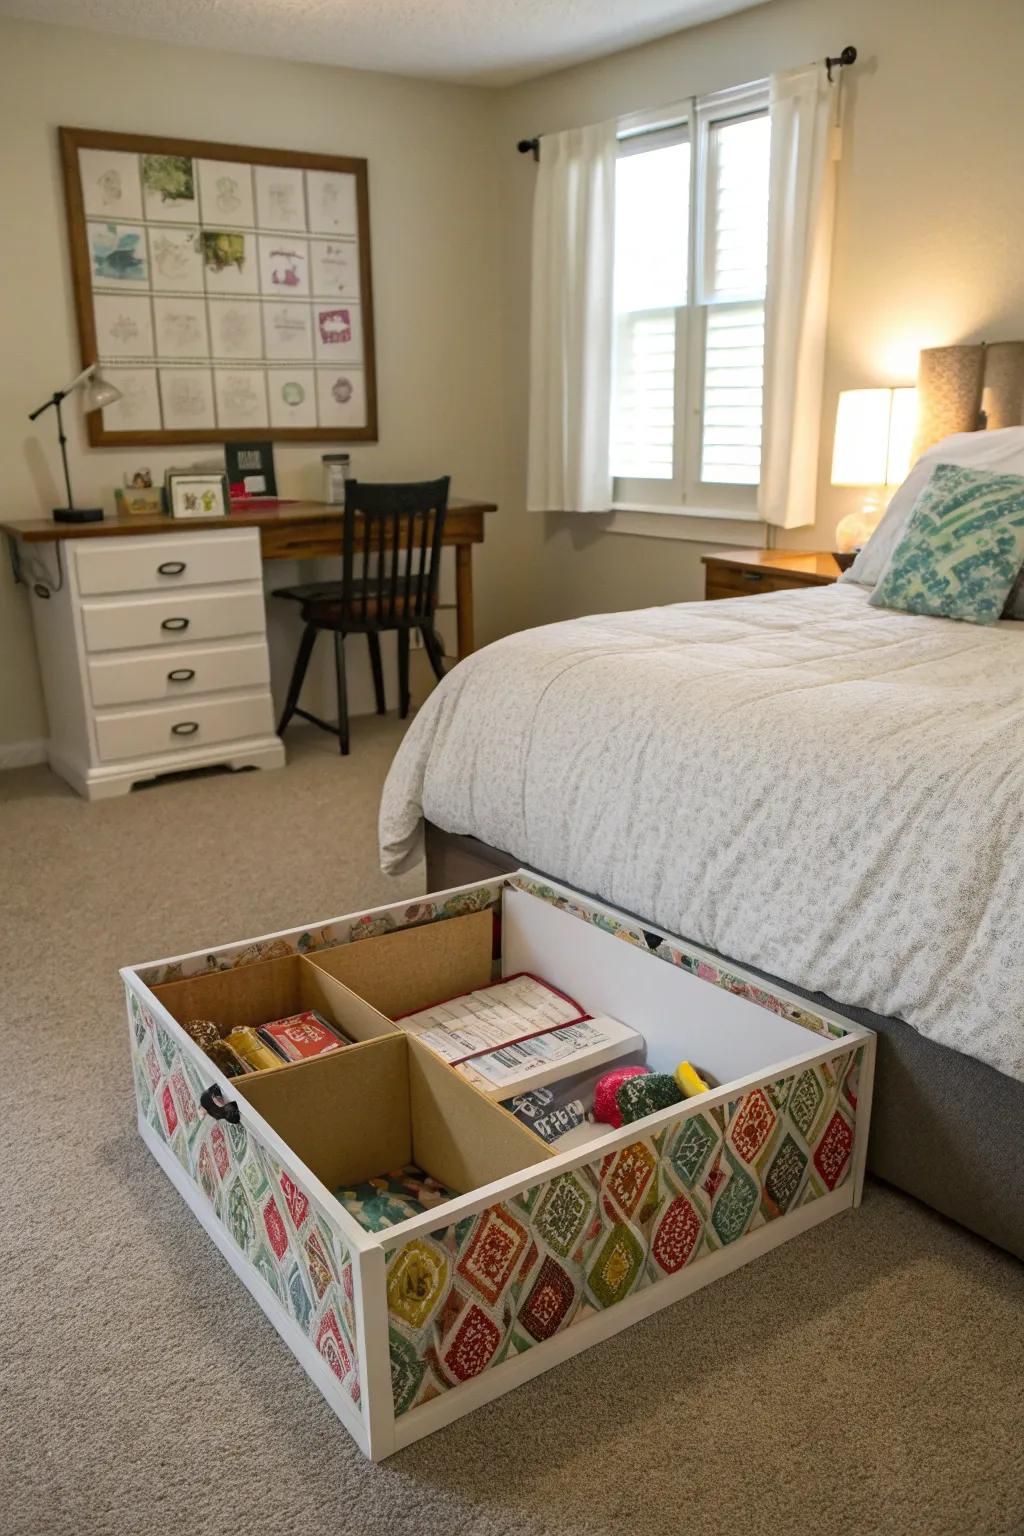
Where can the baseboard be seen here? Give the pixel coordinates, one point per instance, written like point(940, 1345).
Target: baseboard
point(22, 754)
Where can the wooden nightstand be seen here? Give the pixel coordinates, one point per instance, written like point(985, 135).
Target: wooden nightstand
point(742, 572)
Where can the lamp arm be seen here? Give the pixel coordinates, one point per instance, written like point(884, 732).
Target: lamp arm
point(53, 400)
point(80, 378)
point(61, 394)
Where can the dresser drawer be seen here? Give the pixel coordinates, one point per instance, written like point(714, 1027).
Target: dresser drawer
point(144, 564)
point(151, 677)
point(177, 727)
point(121, 624)
point(727, 581)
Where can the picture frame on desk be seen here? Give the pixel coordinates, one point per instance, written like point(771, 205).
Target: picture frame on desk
point(250, 469)
point(192, 495)
point(139, 500)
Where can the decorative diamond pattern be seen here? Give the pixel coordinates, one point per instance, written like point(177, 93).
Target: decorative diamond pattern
point(806, 1099)
point(490, 1258)
point(785, 1175)
point(691, 1146)
point(270, 1219)
point(563, 1211)
point(516, 1274)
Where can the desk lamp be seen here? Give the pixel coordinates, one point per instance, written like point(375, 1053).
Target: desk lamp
point(96, 393)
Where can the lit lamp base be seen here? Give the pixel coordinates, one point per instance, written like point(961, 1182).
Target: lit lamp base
point(853, 532)
point(78, 514)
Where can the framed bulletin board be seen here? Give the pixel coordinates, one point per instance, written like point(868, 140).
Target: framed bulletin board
point(225, 291)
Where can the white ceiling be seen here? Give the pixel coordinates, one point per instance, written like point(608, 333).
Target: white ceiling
point(481, 42)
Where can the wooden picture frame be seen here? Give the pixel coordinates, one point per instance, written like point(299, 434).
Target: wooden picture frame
point(109, 275)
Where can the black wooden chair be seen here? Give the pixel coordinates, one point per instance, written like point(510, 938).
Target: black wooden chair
point(398, 530)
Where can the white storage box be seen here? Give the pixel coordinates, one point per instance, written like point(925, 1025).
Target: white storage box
point(541, 1255)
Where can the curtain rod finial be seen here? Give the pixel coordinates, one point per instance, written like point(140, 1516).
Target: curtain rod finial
point(848, 56)
point(529, 147)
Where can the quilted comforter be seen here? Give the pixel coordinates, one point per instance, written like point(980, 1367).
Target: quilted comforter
point(830, 792)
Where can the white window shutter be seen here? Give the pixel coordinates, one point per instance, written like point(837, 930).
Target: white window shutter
point(733, 394)
point(643, 415)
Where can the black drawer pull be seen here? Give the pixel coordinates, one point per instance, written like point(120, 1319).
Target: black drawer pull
point(181, 675)
point(174, 624)
point(752, 576)
point(218, 1108)
point(185, 728)
point(171, 568)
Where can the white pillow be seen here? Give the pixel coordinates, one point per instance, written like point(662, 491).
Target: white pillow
point(1002, 450)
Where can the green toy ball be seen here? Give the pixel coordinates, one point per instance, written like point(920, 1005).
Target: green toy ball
point(640, 1096)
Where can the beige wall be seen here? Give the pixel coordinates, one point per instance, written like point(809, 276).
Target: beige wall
point(928, 250)
point(434, 241)
point(928, 244)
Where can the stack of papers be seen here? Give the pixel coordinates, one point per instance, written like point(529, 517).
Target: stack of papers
point(520, 1034)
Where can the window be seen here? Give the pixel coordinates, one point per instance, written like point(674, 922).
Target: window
point(691, 239)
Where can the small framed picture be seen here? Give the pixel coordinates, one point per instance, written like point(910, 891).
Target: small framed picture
point(191, 495)
point(250, 468)
point(139, 500)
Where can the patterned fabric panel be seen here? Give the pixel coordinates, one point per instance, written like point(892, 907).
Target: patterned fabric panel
point(962, 549)
point(307, 941)
point(718, 975)
point(270, 1219)
point(393, 1197)
point(471, 1295)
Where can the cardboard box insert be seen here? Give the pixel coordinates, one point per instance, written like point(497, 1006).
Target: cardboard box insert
point(376, 1105)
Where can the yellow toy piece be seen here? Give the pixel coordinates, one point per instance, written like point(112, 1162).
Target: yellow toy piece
point(689, 1080)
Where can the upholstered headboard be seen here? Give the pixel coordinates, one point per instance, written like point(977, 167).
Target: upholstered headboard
point(968, 388)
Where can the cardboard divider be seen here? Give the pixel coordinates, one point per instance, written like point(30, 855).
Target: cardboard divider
point(460, 1135)
point(387, 1100)
point(349, 1119)
point(373, 1109)
point(272, 989)
point(414, 968)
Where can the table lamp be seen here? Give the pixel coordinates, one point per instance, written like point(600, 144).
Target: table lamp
point(96, 393)
point(874, 433)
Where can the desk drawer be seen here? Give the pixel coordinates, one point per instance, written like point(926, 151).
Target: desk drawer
point(145, 564)
point(151, 677)
point(121, 624)
point(178, 727)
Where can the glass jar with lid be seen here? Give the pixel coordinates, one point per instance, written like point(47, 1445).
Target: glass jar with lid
point(337, 468)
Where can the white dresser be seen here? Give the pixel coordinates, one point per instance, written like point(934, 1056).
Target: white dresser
point(154, 656)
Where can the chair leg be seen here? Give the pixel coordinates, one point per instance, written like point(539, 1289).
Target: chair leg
point(373, 640)
point(305, 651)
point(339, 669)
point(403, 674)
point(433, 649)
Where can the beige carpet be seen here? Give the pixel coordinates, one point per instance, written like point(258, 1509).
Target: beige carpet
point(865, 1378)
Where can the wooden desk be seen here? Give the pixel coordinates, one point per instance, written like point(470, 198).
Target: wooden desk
point(304, 530)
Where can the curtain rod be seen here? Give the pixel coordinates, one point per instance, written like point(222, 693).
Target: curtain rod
point(841, 60)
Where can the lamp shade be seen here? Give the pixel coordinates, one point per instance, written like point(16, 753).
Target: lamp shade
point(98, 392)
point(902, 431)
point(874, 434)
point(861, 448)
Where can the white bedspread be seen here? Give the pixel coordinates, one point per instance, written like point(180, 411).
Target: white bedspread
point(827, 791)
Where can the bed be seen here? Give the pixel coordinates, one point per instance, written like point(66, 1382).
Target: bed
point(825, 791)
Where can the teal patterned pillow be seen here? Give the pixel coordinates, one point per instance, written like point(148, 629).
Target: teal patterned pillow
point(962, 549)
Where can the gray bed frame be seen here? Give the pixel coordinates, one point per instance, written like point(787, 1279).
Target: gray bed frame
point(945, 1128)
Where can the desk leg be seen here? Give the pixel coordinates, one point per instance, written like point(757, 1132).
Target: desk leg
point(464, 597)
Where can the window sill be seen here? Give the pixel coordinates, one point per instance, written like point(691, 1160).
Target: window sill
point(699, 525)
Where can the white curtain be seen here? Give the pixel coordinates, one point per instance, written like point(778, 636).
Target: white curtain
point(571, 322)
point(801, 208)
